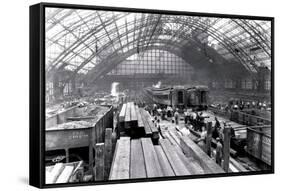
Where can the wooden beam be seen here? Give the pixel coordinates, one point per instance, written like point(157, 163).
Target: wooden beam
point(133, 112)
point(147, 129)
point(189, 162)
point(79, 118)
point(121, 160)
point(163, 161)
point(122, 113)
point(137, 165)
point(128, 113)
point(51, 177)
point(108, 151)
point(226, 148)
point(237, 165)
point(191, 148)
point(140, 121)
point(209, 138)
point(152, 166)
point(66, 174)
point(177, 164)
point(99, 162)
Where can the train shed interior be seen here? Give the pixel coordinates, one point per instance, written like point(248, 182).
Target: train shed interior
point(147, 95)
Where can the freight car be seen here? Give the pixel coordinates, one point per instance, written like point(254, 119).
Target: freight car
point(180, 96)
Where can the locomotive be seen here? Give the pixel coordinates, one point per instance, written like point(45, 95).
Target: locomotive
point(180, 96)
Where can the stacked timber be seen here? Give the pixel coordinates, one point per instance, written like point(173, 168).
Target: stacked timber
point(136, 123)
point(139, 158)
point(63, 173)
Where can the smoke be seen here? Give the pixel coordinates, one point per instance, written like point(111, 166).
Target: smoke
point(114, 89)
point(158, 85)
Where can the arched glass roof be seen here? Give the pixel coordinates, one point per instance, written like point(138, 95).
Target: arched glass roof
point(80, 40)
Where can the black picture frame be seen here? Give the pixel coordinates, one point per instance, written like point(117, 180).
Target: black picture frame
point(37, 92)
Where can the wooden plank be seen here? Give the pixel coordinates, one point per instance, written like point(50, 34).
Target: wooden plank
point(154, 130)
point(163, 161)
point(237, 165)
point(191, 164)
point(122, 113)
point(140, 121)
point(147, 129)
point(121, 161)
point(175, 161)
point(108, 151)
point(152, 166)
point(51, 177)
point(133, 112)
point(128, 113)
point(99, 162)
point(66, 174)
point(232, 168)
point(80, 118)
point(137, 165)
point(192, 149)
point(209, 138)
point(226, 149)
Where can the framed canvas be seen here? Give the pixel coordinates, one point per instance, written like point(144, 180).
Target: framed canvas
point(121, 95)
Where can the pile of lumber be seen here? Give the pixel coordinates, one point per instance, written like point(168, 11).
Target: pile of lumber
point(139, 158)
point(136, 122)
point(234, 165)
point(63, 172)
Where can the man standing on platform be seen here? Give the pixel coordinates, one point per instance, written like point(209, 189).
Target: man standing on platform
point(218, 151)
point(176, 115)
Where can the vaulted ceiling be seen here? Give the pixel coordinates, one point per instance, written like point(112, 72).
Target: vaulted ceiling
point(94, 42)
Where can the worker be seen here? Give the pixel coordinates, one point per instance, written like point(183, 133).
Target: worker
point(186, 117)
point(176, 116)
point(216, 131)
point(154, 110)
point(201, 141)
point(163, 114)
point(169, 111)
point(218, 151)
point(159, 129)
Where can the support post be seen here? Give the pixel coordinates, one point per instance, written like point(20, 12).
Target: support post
point(226, 148)
point(99, 162)
point(209, 138)
point(91, 157)
point(108, 152)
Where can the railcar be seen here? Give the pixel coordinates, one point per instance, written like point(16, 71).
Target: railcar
point(180, 96)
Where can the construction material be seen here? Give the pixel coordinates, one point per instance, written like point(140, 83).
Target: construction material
point(175, 161)
point(108, 152)
point(65, 175)
point(121, 160)
point(137, 168)
point(99, 162)
point(153, 168)
point(136, 123)
point(52, 176)
point(192, 149)
point(163, 161)
point(226, 148)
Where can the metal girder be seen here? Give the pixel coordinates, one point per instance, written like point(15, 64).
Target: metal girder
point(80, 41)
point(226, 42)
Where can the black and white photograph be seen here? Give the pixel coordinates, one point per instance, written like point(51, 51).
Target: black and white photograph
point(153, 95)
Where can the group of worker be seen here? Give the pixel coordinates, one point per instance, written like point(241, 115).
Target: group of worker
point(241, 105)
point(217, 133)
point(196, 121)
